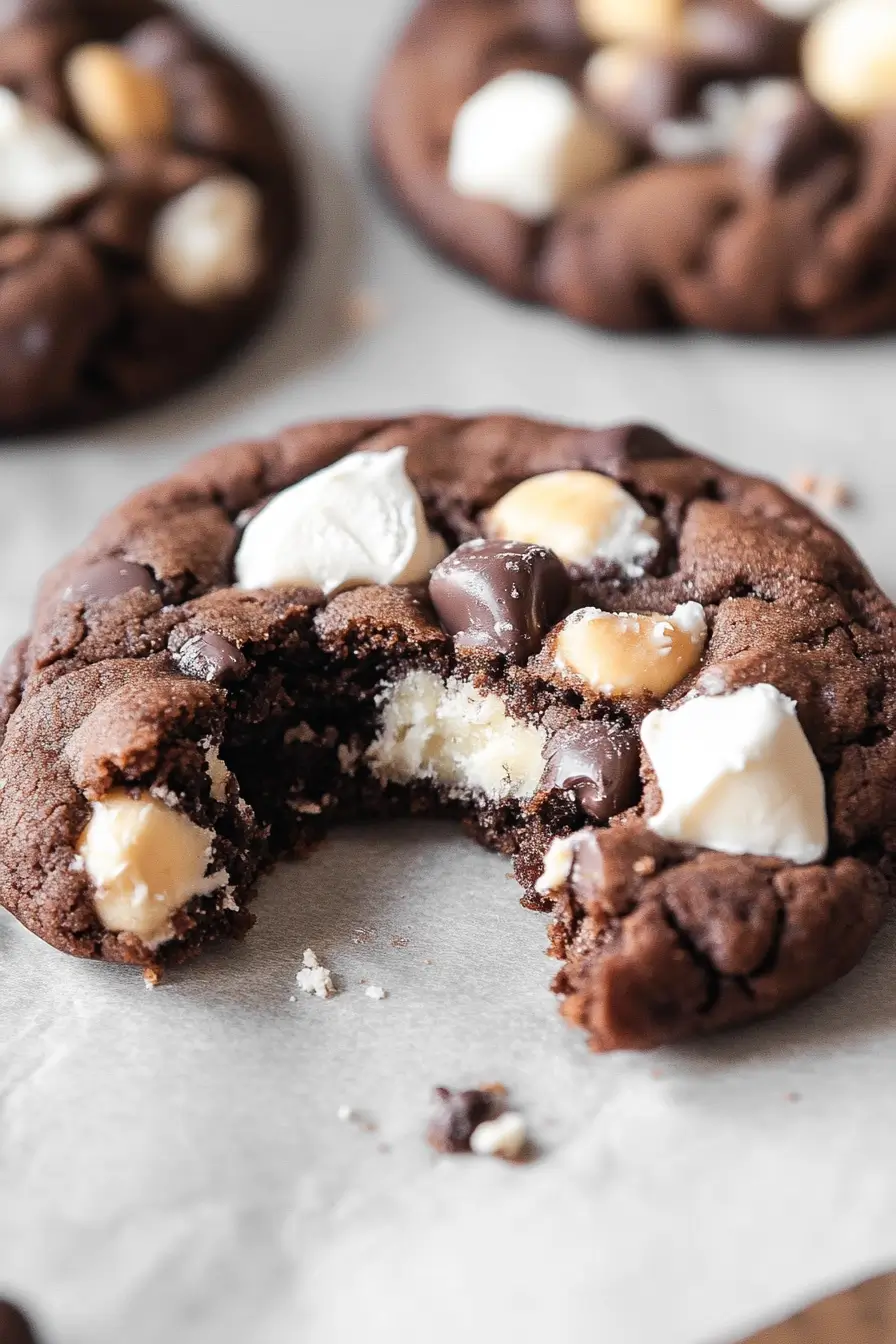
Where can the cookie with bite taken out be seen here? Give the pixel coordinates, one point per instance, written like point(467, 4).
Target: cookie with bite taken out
point(663, 687)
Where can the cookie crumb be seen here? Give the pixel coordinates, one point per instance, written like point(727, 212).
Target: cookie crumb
point(314, 978)
point(360, 937)
point(828, 492)
point(375, 992)
point(399, 940)
point(505, 1137)
point(152, 976)
point(345, 1114)
point(793, 1096)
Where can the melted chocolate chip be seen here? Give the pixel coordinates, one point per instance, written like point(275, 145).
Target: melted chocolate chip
point(14, 1328)
point(778, 151)
point(107, 579)
point(599, 763)
point(211, 657)
point(500, 597)
point(456, 1115)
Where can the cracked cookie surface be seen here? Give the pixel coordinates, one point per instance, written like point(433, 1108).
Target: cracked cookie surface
point(262, 716)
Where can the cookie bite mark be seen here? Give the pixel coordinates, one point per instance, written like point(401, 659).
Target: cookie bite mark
point(620, 654)
point(580, 515)
point(526, 141)
point(458, 737)
point(737, 774)
point(360, 521)
point(146, 861)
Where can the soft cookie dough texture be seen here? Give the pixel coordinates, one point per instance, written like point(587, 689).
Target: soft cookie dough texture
point(641, 164)
point(663, 688)
point(148, 209)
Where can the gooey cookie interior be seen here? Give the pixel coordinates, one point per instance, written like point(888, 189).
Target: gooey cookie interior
point(680, 743)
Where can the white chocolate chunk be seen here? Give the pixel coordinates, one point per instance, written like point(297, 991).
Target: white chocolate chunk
point(558, 865)
point(146, 861)
point(357, 522)
point(738, 775)
point(631, 653)
point(650, 22)
point(206, 243)
point(504, 1137)
point(527, 142)
point(579, 515)
point(849, 58)
point(456, 736)
point(43, 165)
point(314, 978)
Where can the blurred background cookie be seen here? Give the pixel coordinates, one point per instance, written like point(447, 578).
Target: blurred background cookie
point(638, 164)
point(147, 208)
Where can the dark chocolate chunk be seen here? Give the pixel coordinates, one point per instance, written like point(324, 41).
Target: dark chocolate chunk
point(14, 1329)
point(787, 138)
point(107, 579)
point(211, 657)
point(599, 763)
point(500, 596)
point(457, 1114)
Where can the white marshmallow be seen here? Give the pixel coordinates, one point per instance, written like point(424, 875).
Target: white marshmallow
point(206, 243)
point(526, 141)
point(504, 1137)
point(43, 165)
point(849, 58)
point(738, 775)
point(357, 522)
point(146, 861)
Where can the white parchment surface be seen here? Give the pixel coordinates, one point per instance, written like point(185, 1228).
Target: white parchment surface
point(171, 1163)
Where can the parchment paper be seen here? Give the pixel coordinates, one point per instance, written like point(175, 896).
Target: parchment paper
point(171, 1164)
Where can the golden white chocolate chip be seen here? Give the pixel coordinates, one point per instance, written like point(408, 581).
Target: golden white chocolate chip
point(527, 142)
point(738, 775)
point(612, 72)
point(146, 861)
point(117, 101)
point(849, 58)
point(631, 654)
point(580, 515)
point(649, 21)
point(206, 243)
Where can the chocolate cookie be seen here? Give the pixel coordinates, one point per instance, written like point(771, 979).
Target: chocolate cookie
point(641, 164)
point(147, 208)
point(665, 688)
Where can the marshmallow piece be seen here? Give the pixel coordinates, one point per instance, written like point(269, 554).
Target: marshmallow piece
point(619, 654)
point(527, 142)
point(738, 775)
point(580, 516)
point(651, 22)
point(117, 101)
point(849, 58)
point(357, 522)
point(146, 861)
point(206, 243)
point(43, 165)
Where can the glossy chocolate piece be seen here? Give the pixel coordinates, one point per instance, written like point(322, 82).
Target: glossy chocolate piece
point(597, 762)
point(500, 597)
point(211, 657)
point(108, 579)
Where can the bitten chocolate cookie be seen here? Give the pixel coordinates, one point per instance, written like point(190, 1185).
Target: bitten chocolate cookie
point(147, 208)
point(640, 164)
point(668, 690)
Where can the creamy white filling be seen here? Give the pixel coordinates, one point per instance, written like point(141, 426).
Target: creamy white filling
point(457, 737)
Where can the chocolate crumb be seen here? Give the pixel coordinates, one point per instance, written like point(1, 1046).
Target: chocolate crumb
point(457, 1115)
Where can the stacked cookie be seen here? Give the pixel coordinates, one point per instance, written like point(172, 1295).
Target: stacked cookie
point(665, 688)
point(728, 164)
